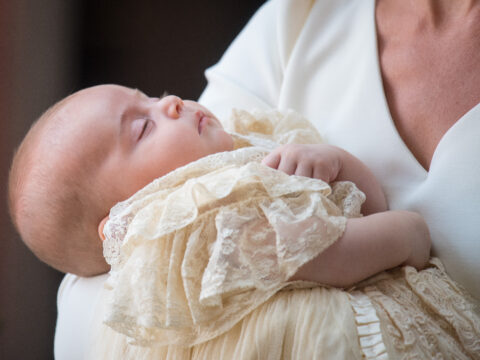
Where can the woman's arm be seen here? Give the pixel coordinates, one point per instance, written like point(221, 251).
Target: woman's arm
point(369, 245)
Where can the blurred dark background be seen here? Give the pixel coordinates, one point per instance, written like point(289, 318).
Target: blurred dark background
point(51, 48)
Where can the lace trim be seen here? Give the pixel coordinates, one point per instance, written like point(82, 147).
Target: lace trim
point(272, 127)
point(368, 327)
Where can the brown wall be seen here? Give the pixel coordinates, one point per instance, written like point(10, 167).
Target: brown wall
point(36, 63)
point(50, 48)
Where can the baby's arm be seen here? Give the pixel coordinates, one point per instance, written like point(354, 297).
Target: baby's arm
point(378, 241)
point(329, 163)
point(369, 245)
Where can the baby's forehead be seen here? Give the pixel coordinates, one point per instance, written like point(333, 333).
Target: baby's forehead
point(82, 129)
point(96, 105)
point(96, 99)
point(82, 126)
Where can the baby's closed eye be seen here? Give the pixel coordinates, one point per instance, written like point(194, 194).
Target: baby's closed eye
point(140, 128)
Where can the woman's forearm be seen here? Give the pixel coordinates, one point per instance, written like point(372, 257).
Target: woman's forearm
point(370, 245)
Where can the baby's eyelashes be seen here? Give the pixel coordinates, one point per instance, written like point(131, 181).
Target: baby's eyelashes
point(139, 128)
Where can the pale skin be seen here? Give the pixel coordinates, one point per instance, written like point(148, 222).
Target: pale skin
point(139, 138)
point(430, 60)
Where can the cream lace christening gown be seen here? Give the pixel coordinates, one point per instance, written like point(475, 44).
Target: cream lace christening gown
point(200, 260)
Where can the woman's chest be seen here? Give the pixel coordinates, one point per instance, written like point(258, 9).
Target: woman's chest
point(431, 78)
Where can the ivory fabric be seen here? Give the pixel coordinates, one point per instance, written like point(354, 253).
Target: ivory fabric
point(401, 314)
point(201, 260)
point(195, 251)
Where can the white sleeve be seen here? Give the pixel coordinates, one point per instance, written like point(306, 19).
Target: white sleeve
point(250, 73)
point(77, 300)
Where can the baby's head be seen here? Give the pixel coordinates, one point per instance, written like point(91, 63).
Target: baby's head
point(91, 150)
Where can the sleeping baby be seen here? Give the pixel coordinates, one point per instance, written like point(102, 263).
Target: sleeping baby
point(210, 225)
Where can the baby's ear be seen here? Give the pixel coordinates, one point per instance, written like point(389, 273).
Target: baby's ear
point(101, 226)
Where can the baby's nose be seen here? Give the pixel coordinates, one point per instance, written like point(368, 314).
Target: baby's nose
point(172, 106)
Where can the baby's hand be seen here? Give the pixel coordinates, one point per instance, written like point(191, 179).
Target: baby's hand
point(319, 161)
point(329, 163)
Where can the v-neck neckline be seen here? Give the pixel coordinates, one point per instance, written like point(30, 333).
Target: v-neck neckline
point(388, 114)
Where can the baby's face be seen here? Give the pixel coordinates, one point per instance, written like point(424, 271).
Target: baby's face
point(133, 139)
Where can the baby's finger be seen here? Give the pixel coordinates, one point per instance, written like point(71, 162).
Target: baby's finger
point(272, 160)
point(287, 165)
point(321, 173)
point(304, 169)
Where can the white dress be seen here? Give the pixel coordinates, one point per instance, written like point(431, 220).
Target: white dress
point(320, 58)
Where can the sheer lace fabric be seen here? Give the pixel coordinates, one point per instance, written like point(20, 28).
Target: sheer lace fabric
point(197, 250)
